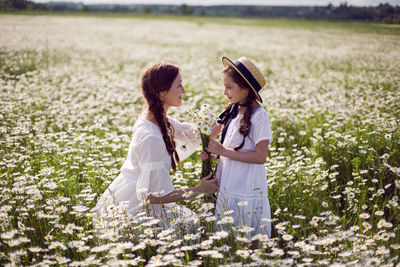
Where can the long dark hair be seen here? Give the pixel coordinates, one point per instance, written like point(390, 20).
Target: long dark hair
point(156, 78)
point(245, 122)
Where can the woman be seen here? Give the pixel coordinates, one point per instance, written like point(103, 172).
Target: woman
point(158, 144)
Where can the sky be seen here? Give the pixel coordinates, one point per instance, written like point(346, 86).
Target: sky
point(235, 2)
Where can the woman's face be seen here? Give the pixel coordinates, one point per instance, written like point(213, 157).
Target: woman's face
point(173, 97)
point(233, 91)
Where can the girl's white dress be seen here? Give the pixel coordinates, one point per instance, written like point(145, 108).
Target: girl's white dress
point(243, 186)
point(146, 170)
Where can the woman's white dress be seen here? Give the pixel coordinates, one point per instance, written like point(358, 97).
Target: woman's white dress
point(146, 170)
point(243, 186)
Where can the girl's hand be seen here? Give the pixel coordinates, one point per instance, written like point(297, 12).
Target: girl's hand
point(215, 147)
point(203, 155)
point(208, 186)
point(216, 129)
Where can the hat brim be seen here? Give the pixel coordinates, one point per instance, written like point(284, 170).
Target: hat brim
point(227, 62)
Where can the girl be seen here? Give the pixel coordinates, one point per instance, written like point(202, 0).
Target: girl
point(243, 148)
point(158, 144)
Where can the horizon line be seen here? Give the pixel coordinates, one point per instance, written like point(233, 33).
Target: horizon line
point(163, 3)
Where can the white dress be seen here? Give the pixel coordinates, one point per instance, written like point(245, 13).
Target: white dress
point(243, 186)
point(146, 170)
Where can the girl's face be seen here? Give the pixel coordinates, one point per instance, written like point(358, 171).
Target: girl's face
point(233, 91)
point(173, 97)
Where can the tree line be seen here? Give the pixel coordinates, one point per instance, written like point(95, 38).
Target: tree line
point(382, 13)
point(16, 5)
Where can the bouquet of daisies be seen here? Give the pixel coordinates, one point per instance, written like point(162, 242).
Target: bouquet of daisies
point(204, 120)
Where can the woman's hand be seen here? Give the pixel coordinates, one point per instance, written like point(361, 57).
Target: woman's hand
point(215, 147)
point(208, 186)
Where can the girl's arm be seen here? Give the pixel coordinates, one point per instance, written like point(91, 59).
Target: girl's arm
point(258, 157)
point(206, 186)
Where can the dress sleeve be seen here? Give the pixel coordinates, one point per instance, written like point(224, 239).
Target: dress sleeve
point(154, 175)
point(187, 138)
point(261, 128)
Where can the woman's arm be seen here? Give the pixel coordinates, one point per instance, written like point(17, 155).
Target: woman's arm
point(206, 186)
point(186, 138)
point(258, 157)
point(174, 196)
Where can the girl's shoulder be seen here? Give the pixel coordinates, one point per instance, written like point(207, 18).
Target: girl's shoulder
point(259, 117)
point(259, 112)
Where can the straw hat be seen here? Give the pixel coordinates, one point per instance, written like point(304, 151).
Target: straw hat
point(249, 72)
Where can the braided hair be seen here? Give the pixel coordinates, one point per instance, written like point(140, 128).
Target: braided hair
point(245, 122)
point(158, 78)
